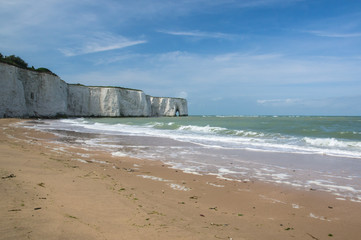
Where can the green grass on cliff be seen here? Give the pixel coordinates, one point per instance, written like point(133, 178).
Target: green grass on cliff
point(81, 85)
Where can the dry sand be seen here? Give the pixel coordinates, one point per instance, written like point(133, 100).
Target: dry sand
point(54, 191)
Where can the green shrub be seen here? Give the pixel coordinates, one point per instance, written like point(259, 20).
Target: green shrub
point(17, 61)
point(45, 70)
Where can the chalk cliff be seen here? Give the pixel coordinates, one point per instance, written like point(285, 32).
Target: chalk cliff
point(26, 93)
point(168, 106)
point(107, 102)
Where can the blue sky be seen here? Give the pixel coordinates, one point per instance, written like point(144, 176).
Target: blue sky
point(227, 57)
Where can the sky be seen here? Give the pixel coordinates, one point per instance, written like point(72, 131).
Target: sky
point(226, 57)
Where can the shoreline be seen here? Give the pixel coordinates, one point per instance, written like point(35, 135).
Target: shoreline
point(68, 192)
point(306, 170)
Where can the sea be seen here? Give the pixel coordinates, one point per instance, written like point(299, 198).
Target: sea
point(318, 153)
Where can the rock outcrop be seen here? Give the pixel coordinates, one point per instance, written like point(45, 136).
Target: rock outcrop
point(26, 93)
point(168, 106)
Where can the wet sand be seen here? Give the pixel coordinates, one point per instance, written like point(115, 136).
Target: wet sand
point(56, 191)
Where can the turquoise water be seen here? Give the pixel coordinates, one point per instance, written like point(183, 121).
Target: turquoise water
point(304, 152)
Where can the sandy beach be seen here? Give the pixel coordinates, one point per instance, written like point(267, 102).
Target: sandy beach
point(55, 191)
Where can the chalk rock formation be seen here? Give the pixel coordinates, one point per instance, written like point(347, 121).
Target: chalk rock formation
point(26, 93)
point(168, 106)
point(12, 99)
point(107, 102)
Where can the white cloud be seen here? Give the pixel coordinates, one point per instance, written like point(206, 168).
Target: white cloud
point(279, 102)
point(272, 78)
point(322, 105)
point(334, 34)
point(99, 42)
point(263, 3)
point(262, 70)
point(216, 99)
point(47, 25)
point(199, 34)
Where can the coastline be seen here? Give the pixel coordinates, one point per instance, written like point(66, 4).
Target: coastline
point(51, 191)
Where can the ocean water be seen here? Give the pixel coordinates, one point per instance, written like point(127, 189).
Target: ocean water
point(318, 153)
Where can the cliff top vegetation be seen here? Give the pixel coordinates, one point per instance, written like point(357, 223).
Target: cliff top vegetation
point(81, 85)
point(18, 62)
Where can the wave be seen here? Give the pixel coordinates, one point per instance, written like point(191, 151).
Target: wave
point(202, 129)
point(205, 129)
point(222, 137)
point(332, 143)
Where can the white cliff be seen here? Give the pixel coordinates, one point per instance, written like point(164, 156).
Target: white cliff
point(12, 99)
point(26, 93)
point(78, 100)
point(168, 106)
point(45, 94)
point(107, 102)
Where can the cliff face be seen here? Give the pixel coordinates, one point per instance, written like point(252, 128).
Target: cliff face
point(168, 106)
point(25, 93)
point(45, 94)
point(12, 99)
point(107, 102)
